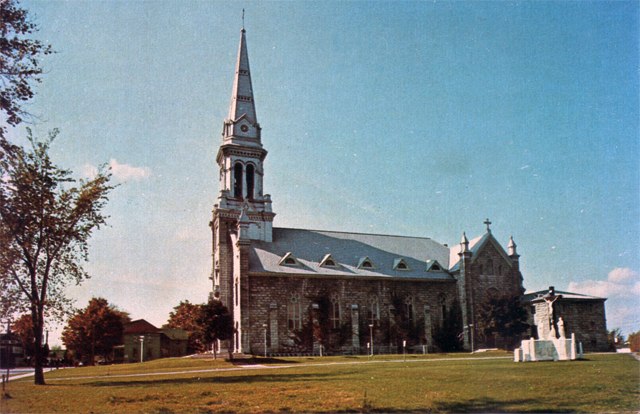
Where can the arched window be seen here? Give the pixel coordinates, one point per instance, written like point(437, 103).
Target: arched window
point(443, 305)
point(373, 311)
point(489, 267)
point(334, 315)
point(237, 180)
point(408, 308)
point(250, 181)
point(294, 313)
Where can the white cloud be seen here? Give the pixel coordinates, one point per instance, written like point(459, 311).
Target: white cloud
point(124, 172)
point(622, 290)
point(121, 172)
point(622, 274)
point(621, 282)
point(89, 171)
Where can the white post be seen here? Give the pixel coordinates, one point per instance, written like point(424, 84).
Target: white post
point(264, 325)
point(371, 334)
point(141, 348)
point(472, 344)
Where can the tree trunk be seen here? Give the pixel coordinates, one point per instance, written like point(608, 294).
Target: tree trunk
point(38, 327)
point(93, 349)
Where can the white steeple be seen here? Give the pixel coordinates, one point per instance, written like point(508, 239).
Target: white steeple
point(511, 247)
point(242, 125)
point(241, 155)
point(464, 243)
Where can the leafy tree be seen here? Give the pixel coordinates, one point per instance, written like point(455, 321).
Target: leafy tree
point(19, 61)
point(95, 330)
point(217, 322)
point(316, 326)
point(505, 316)
point(188, 316)
point(45, 225)
point(615, 339)
point(634, 341)
point(23, 327)
point(447, 336)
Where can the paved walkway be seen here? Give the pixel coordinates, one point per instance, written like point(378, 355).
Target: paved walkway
point(19, 373)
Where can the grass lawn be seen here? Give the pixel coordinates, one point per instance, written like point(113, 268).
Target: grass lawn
point(440, 383)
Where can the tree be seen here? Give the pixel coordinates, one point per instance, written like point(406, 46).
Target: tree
point(615, 339)
point(95, 330)
point(19, 61)
point(505, 316)
point(447, 336)
point(188, 316)
point(634, 341)
point(23, 327)
point(217, 322)
point(45, 225)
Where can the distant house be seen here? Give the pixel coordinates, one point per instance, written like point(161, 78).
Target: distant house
point(11, 352)
point(582, 315)
point(141, 337)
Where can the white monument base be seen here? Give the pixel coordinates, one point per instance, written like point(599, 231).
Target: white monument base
point(554, 349)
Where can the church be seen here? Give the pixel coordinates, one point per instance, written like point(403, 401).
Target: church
point(303, 291)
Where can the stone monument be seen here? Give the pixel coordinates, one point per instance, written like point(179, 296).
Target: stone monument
point(552, 344)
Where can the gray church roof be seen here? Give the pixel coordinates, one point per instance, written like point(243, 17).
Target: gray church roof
point(539, 295)
point(353, 254)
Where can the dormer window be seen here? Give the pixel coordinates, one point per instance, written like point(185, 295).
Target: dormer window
point(365, 263)
point(289, 260)
point(328, 261)
point(434, 266)
point(400, 264)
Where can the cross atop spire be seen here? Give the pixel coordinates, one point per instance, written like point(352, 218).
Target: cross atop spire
point(488, 223)
point(243, 21)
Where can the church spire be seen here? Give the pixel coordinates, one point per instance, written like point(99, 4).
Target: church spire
point(242, 105)
point(241, 158)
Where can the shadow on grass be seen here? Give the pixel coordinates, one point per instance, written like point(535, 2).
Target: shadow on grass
point(234, 379)
point(477, 405)
point(262, 361)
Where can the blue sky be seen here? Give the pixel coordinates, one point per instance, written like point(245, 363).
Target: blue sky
point(410, 118)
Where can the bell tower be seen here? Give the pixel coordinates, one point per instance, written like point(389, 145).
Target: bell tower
point(241, 155)
point(240, 160)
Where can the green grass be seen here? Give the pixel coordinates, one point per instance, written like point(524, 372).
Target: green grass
point(451, 383)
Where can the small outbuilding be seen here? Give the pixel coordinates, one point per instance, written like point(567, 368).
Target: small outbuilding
point(582, 315)
point(142, 341)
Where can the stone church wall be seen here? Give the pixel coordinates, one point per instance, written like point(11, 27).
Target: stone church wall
point(587, 320)
point(270, 298)
point(491, 276)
